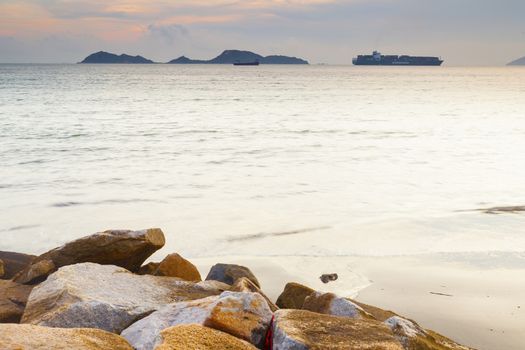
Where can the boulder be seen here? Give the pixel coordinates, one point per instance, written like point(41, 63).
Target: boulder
point(29, 337)
point(230, 273)
point(412, 336)
point(305, 330)
point(331, 304)
point(105, 296)
point(124, 248)
point(175, 265)
point(293, 296)
point(14, 263)
point(13, 299)
point(245, 285)
point(243, 315)
point(195, 336)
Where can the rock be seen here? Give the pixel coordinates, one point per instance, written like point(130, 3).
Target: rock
point(175, 265)
point(29, 337)
point(412, 336)
point(377, 313)
point(37, 272)
point(149, 268)
point(301, 329)
point(293, 296)
point(229, 273)
point(329, 277)
point(105, 297)
point(243, 315)
point(2, 269)
point(245, 285)
point(331, 304)
point(14, 263)
point(195, 336)
point(13, 299)
point(124, 248)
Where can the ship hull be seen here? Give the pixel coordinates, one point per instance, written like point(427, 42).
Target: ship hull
point(397, 64)
point(393, 60)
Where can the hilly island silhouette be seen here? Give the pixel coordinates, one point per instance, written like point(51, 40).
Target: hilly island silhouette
point(226, 57)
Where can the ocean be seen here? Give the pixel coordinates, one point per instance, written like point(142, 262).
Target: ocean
point(264, 161)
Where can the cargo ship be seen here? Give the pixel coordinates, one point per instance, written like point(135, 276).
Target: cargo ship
point(376, 59)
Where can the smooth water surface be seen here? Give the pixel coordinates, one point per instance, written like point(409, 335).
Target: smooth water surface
point(268, 160)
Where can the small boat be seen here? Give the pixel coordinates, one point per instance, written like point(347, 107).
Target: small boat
point(239, 63)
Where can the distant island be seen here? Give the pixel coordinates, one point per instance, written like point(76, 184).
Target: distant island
point(227, 57)
point(106, 57)
point(232, 56)
point(518, 62)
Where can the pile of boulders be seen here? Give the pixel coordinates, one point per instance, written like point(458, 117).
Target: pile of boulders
point(96, 293)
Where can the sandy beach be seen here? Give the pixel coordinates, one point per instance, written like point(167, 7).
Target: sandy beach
point(476, 299)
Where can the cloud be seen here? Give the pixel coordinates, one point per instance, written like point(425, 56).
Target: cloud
point(470, 31)
point(169, 33)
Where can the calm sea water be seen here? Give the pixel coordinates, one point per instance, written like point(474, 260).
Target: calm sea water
point(267, 160)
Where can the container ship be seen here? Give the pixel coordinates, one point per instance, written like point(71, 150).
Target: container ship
point(376, 59)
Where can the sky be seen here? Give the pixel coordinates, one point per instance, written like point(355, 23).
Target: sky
point(463, 32)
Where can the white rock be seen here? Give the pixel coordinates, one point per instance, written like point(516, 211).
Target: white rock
point(105, 297)
point(243, 315)
point(331, 304)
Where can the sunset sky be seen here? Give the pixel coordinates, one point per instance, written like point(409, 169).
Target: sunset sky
point(477, 32)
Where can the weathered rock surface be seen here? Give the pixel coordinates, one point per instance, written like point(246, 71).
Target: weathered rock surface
point(301, 329)
point(105, 297)
point(195, 336)
point(14, 263)
point(124, 248)
point(175, 265)
point(293, 296)
point(230, 273)
point(412, 336)
point(377, 313)
point(13, 299)
point(29, 337)
point(331, 304)
point(245, 285)
point(243, 315)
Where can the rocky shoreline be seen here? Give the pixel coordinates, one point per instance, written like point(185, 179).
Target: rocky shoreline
point(97, 293)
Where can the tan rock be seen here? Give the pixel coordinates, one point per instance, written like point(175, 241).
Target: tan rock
point(13, 299)
point(105, 297)
point(331, 304)
point(243, 315)
point(293, 296)
point(124, 248)
point(305, 330)
point(28, 337)
point(413, 337)
point(195, 336)
point(230, 273)
point(175, 265)
point(245, 285)
point(14, 263)
point(377, 313)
